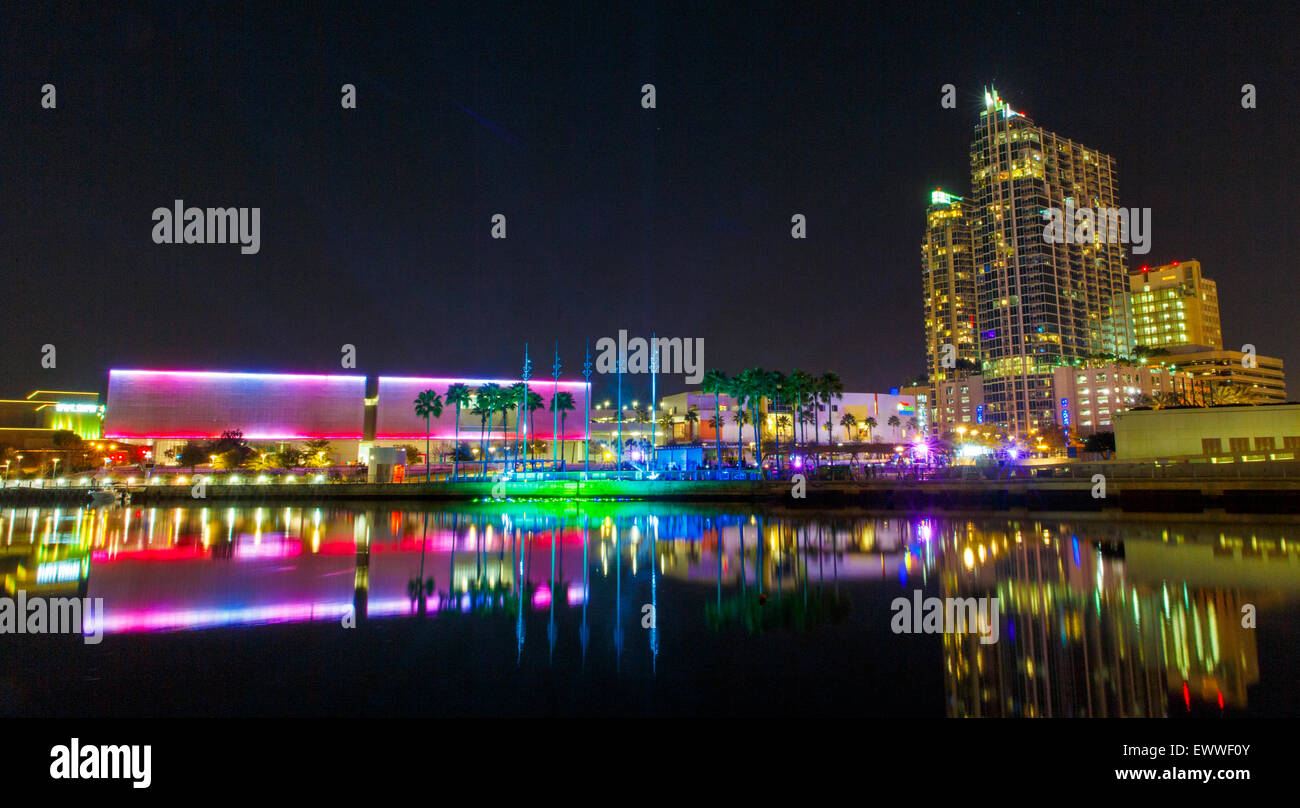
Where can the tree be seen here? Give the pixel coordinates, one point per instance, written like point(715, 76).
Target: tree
point(830, 389)
point(692, 417)
point(519, 398)
point(871, 424)
point(717, 383)
point(563, 402)
point(848, 420)
point(800, 384)
point(192, 454)
point(428, 405)
point(264, 460)
point(317, 452)
point(457, 395)
point(739, 418)
point(666, 424)
point(1102, 443)
point(894, 422)
point(289, 457)
point(507, 401)
point(231, 448)
point(486, 398)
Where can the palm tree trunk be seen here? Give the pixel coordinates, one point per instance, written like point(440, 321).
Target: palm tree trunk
point(426, 467)
point(717, 432)
point(455, 449)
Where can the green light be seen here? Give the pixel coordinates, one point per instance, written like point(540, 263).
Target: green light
point(942, 198)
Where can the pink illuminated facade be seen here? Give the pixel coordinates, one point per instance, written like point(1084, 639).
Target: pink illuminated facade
point(165, 408)
point(396, 419)
point(165, 404)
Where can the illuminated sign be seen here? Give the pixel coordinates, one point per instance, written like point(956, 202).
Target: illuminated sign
point(1065, 412)
point(979, 413)
point(76, 408)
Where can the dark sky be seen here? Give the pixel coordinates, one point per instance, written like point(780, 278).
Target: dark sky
point(375, 221)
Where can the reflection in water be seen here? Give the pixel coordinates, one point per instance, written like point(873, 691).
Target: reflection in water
point(1097, 618)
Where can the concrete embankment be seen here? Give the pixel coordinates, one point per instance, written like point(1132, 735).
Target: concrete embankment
point(1229, 496)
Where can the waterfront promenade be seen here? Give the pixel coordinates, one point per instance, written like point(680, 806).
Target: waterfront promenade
point(1268, 487)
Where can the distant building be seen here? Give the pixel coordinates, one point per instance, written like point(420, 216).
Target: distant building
point(31, 423)
point(1257, 380)
point(1089, 397)
point(1175, 305)
point(1217, 434)
point(948, 286)
point(958, 402)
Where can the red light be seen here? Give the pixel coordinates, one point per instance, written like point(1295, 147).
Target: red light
point(1220, 699)
point(1145, 269)
point(1187, 697)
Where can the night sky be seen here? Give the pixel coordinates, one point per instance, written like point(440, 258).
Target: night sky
point(375, 221)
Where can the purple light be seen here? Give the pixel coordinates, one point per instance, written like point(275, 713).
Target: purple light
point(798, 462)
point(1014, 453)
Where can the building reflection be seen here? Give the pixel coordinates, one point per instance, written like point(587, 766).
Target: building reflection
point(1096, 618)
point(1088, 630)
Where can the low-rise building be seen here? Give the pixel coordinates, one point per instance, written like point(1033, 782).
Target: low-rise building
point(1087, 398)
point(1218, 434)
point(1234, 376)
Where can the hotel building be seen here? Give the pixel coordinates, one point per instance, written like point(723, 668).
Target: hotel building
point(1175, 305)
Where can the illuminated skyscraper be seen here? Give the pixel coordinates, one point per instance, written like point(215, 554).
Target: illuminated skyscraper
point(948, 280)
point(1041, 303)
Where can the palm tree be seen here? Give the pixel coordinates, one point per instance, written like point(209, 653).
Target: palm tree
point(717, 383)
point(457, 394)
point(894, 422)
point(830, 388)
point(428, 404)
point(913, 425)
point(755, 383)
point(800, 384)
point(692, 417)
point(777, 388)
point(562, 401)
point(848, 420)
point(783, 422)
point(740, 418)
point(666, 424)
point(870, 424)
point(486, 398)
point(507, 400)
point(517, 396)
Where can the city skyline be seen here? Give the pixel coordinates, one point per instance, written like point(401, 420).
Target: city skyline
point(694, 240)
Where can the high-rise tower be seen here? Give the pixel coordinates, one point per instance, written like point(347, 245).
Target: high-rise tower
point(1042, 302)
point(948, 281)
